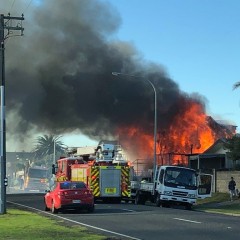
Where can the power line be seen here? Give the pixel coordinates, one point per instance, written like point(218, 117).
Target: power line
point(12, 5)
point(27, 6)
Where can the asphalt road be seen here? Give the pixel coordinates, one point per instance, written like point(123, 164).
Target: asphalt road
point(129, 221)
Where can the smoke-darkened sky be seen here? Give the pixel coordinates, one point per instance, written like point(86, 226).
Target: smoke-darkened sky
point(59, 74)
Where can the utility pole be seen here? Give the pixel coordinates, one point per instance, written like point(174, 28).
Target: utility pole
point(6, 23)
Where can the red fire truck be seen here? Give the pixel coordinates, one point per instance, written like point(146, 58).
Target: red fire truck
point(107, 173)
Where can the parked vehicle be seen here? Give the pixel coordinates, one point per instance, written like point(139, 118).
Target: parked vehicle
point(174, 185)
point(36, 179)
point(69, 195)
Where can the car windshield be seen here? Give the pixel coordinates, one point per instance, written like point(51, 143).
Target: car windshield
point(180, 177)
point(72, 185)
point(37, 173)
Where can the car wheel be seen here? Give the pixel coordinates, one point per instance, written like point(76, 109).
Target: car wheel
point(91, 209)
point(53, 209)
point(46, 208)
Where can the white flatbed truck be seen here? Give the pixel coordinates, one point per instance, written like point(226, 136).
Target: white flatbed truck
point(175, 185)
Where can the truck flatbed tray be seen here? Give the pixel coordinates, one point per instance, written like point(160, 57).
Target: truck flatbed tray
point(146, 186)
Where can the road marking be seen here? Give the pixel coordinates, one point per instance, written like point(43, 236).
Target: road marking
point(127, 210)
point(186, 220)
point(79, 223)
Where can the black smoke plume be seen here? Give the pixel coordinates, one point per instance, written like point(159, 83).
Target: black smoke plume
point(59, 74)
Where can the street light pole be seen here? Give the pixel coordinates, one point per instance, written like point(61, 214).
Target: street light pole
point(54, 151)
point(155, 117)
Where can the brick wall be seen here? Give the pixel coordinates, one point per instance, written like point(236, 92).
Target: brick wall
point(223, 177)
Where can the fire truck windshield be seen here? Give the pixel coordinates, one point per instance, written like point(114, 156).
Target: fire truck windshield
point(180, 177)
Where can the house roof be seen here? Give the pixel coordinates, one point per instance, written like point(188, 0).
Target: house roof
point(219, 144)
point(216, 150)
point(221, 129)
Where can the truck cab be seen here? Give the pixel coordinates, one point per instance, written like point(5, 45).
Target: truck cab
point(180, 185)
point(36, 179)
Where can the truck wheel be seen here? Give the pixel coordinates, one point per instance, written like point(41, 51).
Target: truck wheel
point(158, 201)
point(53, 209)
point(140, 199)
point(166, 205)
point(137, 199)
point(188, 206)
point(143, 200)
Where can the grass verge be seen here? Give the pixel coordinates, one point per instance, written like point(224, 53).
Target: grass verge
point(216, 198)
point(18, 224)
point(219, 203)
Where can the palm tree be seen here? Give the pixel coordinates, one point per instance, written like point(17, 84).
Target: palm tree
point(236, 85)
point(45, 146)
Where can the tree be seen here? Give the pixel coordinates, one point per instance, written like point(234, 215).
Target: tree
point(44, 148)
point(236, 85)
point(233, 144)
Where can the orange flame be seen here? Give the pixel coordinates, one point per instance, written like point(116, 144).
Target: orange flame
point(189, 132)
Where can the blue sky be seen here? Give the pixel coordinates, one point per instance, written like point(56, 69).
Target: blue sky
point(197, 42)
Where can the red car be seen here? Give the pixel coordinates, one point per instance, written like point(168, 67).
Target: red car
point(69, 195)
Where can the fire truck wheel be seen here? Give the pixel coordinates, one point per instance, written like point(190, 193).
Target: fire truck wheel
point(118, 200)
point(53, 209)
